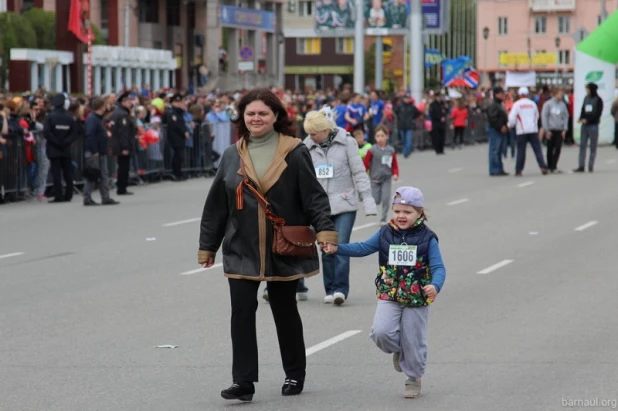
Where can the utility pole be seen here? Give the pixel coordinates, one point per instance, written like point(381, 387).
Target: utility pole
point(359, 48)
point(417, 53)
point(379, 76)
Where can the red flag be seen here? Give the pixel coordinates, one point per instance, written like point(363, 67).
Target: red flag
point(79, 18)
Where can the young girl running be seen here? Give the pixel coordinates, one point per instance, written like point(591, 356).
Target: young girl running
point(411, 275)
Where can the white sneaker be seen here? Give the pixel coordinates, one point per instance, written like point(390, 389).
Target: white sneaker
point(301, 296)
point(338, 298)
point(328, 299)
point(413, 388)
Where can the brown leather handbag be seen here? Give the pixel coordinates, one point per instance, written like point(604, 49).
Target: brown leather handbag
point(290, 241)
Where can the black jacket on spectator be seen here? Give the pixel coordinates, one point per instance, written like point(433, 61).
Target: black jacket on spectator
point(592, 110)
point(437, 112)
point(496, 115)
point(407, 114)
point(123, 130)
point(174, 118)
point(96, 134)
point(60, 131)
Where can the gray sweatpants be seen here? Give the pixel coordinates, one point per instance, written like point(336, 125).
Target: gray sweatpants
point(381, 192)
point(103, 182)
point(591, 133)
point(403, 330)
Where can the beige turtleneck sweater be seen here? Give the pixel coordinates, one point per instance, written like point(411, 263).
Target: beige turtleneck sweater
point(262, 150)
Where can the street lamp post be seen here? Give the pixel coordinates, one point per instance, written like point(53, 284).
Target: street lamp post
point(557, 42)
point(485, 36)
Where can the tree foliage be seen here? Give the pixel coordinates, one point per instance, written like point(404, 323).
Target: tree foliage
point(44, 24)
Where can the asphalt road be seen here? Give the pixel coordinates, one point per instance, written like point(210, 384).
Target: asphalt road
point(96, 289)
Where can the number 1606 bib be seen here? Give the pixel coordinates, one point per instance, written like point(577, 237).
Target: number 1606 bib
point(402, 255)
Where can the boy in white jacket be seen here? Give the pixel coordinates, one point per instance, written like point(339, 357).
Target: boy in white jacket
point(525, 117)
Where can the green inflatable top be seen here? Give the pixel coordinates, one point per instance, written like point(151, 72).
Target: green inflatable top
point(603, 42)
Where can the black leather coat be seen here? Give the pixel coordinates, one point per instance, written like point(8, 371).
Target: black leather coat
point(291, 187)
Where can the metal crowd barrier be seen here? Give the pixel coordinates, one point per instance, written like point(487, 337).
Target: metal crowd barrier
point(21, 162)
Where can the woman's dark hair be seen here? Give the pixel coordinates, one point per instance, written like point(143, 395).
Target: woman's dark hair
point(283, 124)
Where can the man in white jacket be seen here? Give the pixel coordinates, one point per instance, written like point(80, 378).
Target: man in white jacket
point(525, 117)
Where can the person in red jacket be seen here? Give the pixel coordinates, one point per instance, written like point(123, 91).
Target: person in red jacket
point(459, 115)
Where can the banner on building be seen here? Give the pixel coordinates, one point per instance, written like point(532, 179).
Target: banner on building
point(595, 62)
point(381, 17)
point(522, 59)
point(79, 19)
point(432, 57)
point(248, 19)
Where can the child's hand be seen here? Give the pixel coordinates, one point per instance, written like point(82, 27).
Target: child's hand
point(430, 292)
point(330, 248)
point(395, 177)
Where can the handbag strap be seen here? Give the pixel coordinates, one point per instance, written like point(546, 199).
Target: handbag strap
point(275, 219)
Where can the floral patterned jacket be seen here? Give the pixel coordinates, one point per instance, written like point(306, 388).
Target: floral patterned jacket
point(403, 283)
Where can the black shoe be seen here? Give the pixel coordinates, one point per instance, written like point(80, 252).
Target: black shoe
point(591, 170)
point(90, 202)
point(109, 201)
point(239, 392)
point(124, 193)
point(292, 387)
point(579, 170)
point(57, 200)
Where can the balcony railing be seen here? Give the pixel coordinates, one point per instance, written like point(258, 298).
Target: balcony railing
point(552, 5)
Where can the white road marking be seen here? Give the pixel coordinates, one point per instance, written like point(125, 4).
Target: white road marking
point(455, 170)
point(11, 255)
point(461, 201)
point(360, 227)
point(199, 270)
point(526, 184)
point(331, 341)
point(175, 223)
point(495, 267)
point(586, 226)
point(612, 161)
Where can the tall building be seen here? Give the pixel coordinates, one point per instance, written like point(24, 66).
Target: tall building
point(193, 30)
point(534, 35)
point(326, 59)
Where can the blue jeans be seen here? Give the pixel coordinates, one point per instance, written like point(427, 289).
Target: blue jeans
point(497, 141)
point(408, 142)
point(336, 268)
point(300, 287)
point(511, 138)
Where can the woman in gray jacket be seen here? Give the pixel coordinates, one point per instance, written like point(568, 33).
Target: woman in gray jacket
point(342, 174)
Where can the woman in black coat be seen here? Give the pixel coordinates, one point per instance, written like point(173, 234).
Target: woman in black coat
point(278, 167)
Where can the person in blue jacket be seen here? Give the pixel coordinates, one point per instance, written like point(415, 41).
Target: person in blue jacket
point(411, 275)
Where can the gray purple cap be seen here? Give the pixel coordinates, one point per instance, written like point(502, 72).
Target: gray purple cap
point(409, 196)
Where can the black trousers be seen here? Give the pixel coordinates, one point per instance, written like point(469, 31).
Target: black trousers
point(458, 137)
point(177, 162)
point(62, 167)
point(554, 146)
point(282, 298)
point(123, 173)
point(616, 135)
point(569, 135)
point(438, 136)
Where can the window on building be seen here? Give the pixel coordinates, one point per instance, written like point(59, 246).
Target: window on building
point(564, 57)
point(310, 46)
point(27, 5)
point(564, 24)
point(305, 8)
point(344, 45)
point(503, 26)
point(540, 24)
point(148, 11)
point(105, 20)
point(173, 12)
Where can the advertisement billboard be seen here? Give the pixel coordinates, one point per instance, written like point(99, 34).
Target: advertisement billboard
point(381, 17)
